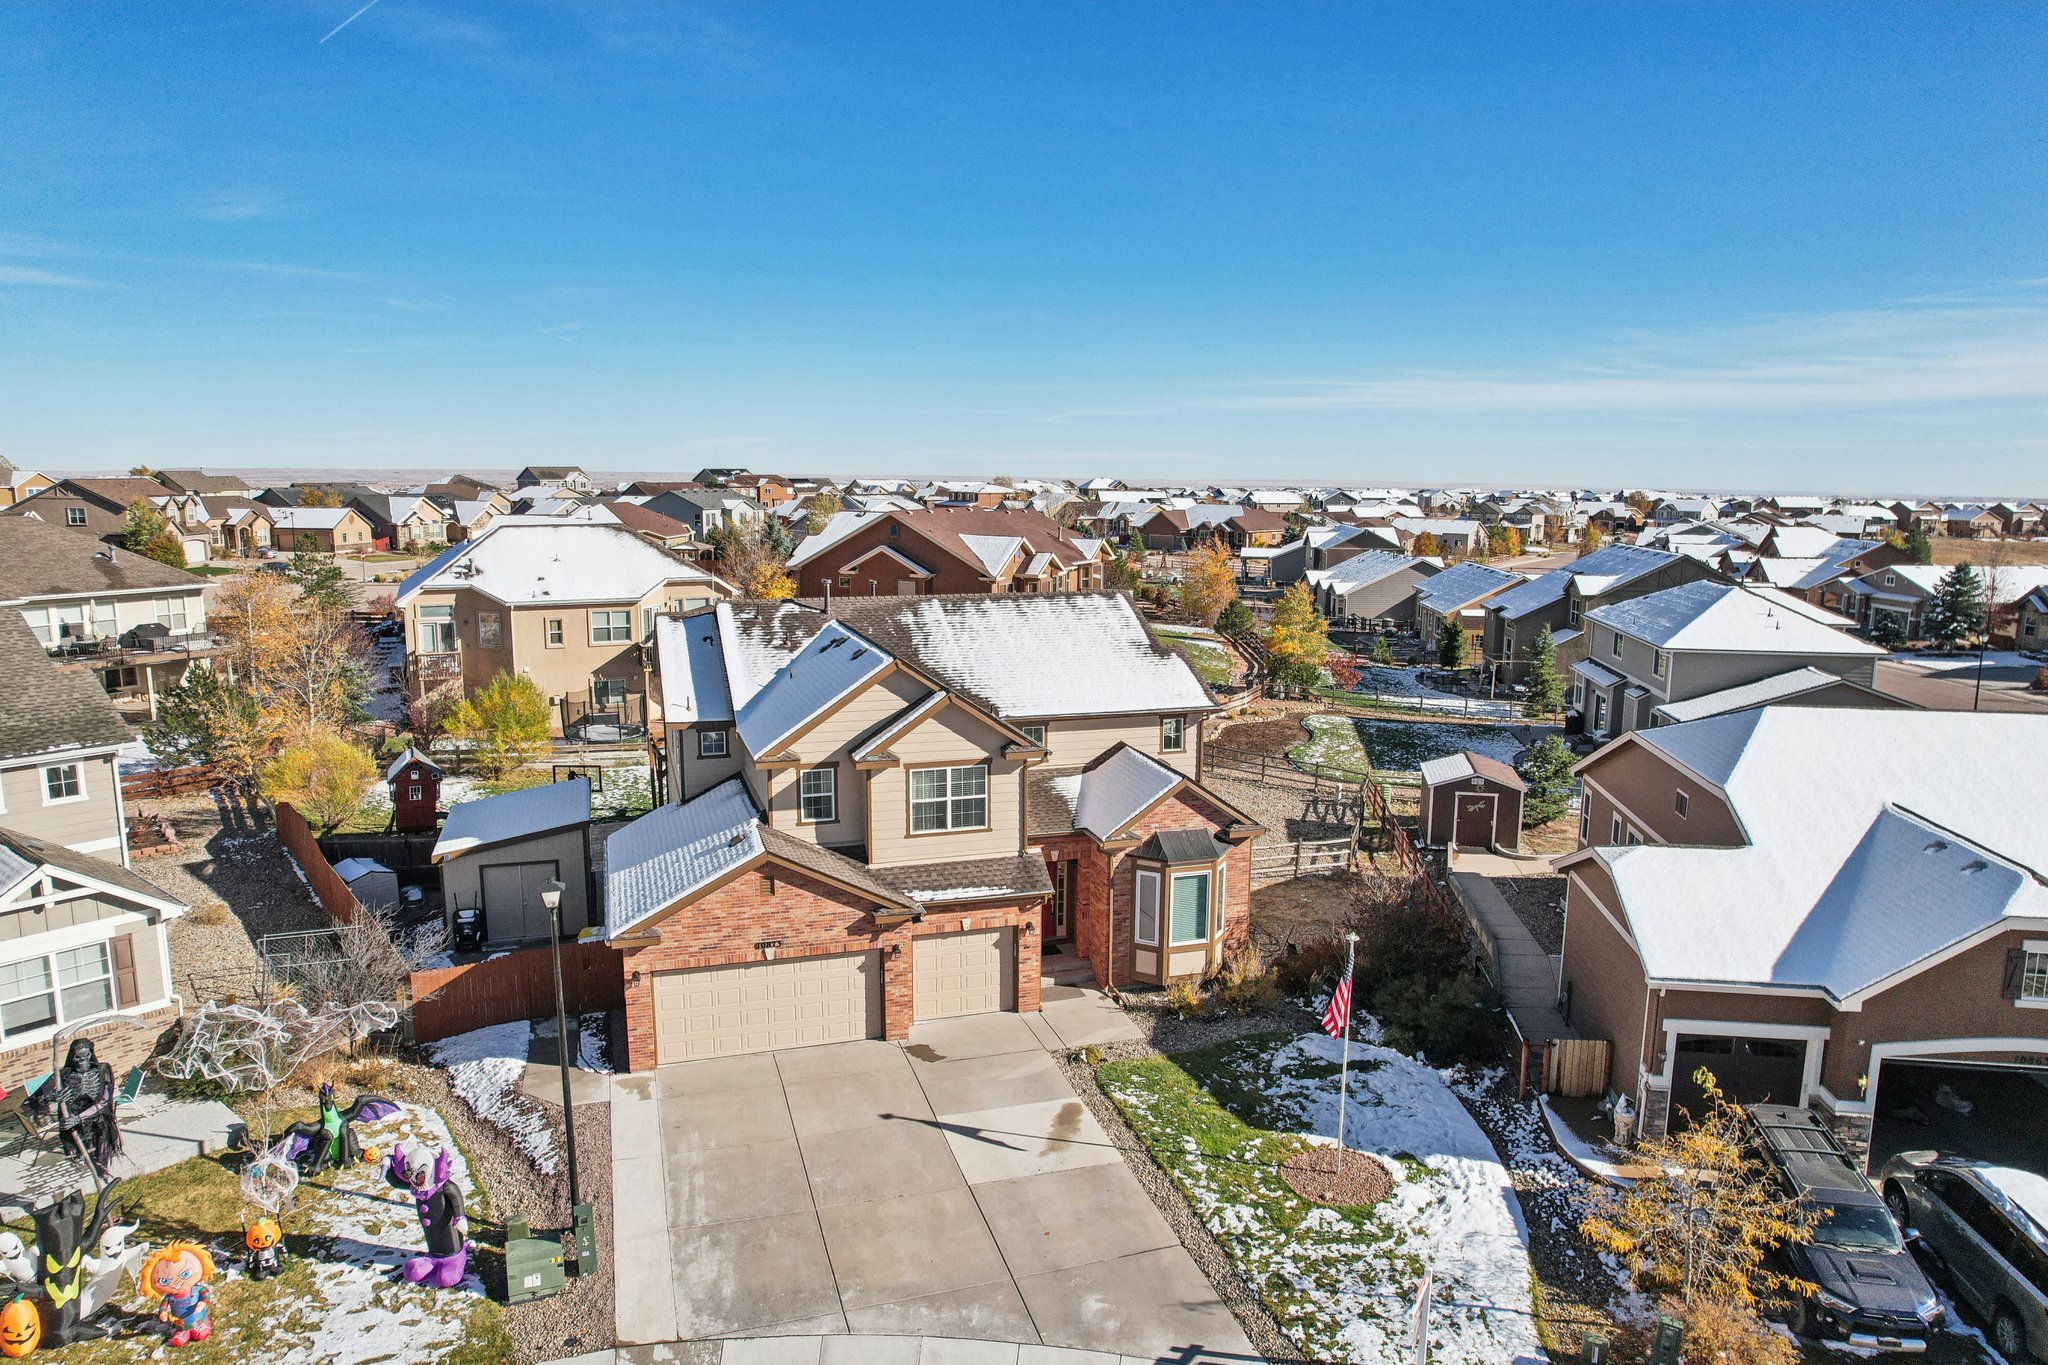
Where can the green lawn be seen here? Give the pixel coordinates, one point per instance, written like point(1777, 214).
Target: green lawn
point(1210, 660)
point(1208, 1119)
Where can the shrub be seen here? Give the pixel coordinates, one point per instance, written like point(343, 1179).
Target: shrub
point(1721, 1333)
point(326, 779)
point(1312, 967)
point(1236, 618)
point(212, 915)
point(2040, 682)
point(1445, 1020)
point(1246, 985)
point(1183, 1000)
point(506, 722)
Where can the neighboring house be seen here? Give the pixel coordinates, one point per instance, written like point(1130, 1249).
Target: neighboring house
point(2020, 520)
point(707, 510)
point(567, 603)
point(1559, 600)
point(200, 482)
point(498, 853)
point(334, 530)
point(1812, 934)
point(1917, 516)
point(403, 521)
point(1328, 546)
point(238, 526)
point(98, 507)
point(1460, 592)
point(766, 489)
point(467, 517)
point(58, 737)
point(1971, 523)
point(1455, 536)
point(568, 478)
point(1672, 511)
point(135, 624)
point(944, 551)
point(2030, 625)
point(888, 808)
point(647, 488)
point(1255, 530)
point(16, 484)
point(1903, 592)
point(667, 532)
point(464, 488)
point(1813, 564)
point(1703, 648)
point(1376, 586)
point(1179, 528)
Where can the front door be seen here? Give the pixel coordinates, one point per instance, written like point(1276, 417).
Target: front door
point(1059, 911)
point(1475, 821)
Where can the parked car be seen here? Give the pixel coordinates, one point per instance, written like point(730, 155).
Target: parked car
point(1987, 1226)
point(1868, 1291)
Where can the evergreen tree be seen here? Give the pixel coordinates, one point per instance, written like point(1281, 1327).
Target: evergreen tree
point(321, 579)
point(776, 538)
point(1546, 684)
point(1547, 769)
point(1382, 653)
point(1236, 618)
point(1452, 641)
point(1919, 546)
point(1957, 611)
point(1885, 630)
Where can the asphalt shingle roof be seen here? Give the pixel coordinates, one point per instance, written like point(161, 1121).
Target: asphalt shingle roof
point(47, 709)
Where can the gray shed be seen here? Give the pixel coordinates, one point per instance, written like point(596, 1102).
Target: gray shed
point(374, 885)
point(497, 853)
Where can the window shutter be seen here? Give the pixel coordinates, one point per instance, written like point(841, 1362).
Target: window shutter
point(126, 992)
point(2015, 968)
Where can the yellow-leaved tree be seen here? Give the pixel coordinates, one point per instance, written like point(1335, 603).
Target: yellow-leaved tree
point(505, 723)
point(1207, 585)
point(324, 777)
point(1701, 1232)
point(1590, 541)
point(1299, 640)
point(303, 660)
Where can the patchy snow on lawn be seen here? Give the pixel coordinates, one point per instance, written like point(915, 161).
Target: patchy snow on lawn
point(1355, 744)
point(356, 1313)
point(484, 1067)
point(1966, 663)
point(590, 1031)
point(1405, 687)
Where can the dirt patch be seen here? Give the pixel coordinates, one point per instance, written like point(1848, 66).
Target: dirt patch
point(1300, 912)
point(1539, 903)
point(1559, 836)
point(1270, 735)
point(1360, 1180)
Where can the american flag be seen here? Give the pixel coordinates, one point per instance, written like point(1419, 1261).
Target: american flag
point(1337, 1018)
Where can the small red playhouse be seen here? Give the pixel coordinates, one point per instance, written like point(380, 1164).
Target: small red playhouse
point(415, 793)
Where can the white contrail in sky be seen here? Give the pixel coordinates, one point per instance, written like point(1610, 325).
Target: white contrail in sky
point(350, 20)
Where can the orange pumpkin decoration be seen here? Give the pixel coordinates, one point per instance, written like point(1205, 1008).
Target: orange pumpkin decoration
point(372, 1155)
point(262, 1234)
point(21, 1328)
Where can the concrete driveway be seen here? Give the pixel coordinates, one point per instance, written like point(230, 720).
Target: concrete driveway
point(950, 1187)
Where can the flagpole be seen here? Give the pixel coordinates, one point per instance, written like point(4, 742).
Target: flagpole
point(1344, 1071)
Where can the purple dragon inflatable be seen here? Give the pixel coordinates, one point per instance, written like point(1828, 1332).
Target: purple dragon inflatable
point(424, 1175)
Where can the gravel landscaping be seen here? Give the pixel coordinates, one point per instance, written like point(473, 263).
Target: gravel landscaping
point(1539, 903)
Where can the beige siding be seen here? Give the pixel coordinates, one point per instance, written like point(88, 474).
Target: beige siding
point(74, 824)
point(65, 914)
point(830, 743)
point(1078, 742)
point(462, 877)
point(953, 736)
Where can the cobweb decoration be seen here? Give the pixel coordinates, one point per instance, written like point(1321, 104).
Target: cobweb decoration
point(270, 1182)
point(251, 1049)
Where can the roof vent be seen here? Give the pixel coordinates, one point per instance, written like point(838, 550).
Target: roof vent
point(1974, 865)
point(1938, 846)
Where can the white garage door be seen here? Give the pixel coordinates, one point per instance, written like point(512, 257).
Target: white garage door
point(967, 973)
point(721, 1011)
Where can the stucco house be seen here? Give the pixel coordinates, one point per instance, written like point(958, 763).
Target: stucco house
point(1841, 938)
point(567, 603)
point(884, 810)
point(943, 551)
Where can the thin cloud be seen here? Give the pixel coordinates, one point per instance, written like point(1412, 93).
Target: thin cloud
point(350, 20)
point(29, 274)
point(236, 208)
point(414, 305)
point(296, 272)
point(564, 331)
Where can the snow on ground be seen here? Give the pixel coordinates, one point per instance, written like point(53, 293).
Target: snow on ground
point(590, 1031)
point(1355, 743)
point(355, 1313)
point(1405, 687)
point(1966, 663)
point(1452, 1208)
point(387, 695)
point(484, 1067)
point(135, 757)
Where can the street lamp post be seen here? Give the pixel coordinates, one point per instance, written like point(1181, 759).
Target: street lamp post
point(551, 897)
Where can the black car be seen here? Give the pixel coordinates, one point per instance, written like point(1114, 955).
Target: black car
point(1869, 1291)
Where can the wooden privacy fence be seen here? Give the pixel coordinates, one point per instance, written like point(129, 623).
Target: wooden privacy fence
point(170, 782)
point(328, 888)
point(399, 852)
point(514, 986)
point(1576, 1067)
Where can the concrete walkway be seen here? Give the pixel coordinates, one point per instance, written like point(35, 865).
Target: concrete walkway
point(952, 1187)
point(877, 1350)
point(1528, 975)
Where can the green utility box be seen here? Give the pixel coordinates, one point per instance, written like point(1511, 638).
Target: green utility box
point(583, 1229)
point(533, 1265)
point(1670, 1336)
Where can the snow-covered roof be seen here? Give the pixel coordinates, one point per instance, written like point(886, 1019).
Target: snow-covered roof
point(1465, 764)
point(831, 663)
point(1784, 686)
point(528, 561)
point(492, 820)
point(1118, 789)
point(349, 869)
point(411, 755)
point(1605, 568)
point(1361, 570)
point(1439, 526)
point(1732, 619)
point(674, 850)
point(2012, 582)
point(310, 518)
point(994, 552)
point(1843, 884)
point(693, 682)
point(1461, 585)
point(1599, 674)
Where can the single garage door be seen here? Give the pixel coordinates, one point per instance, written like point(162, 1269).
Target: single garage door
point(966, 973)
point(512, 909)
point(1748, 1071)
point(723, 1011)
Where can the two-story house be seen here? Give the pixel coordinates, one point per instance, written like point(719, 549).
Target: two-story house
point(98, 507)
point(1701, 649)
point(1819, 906)
point(403, 521)
point(883, 809)
point(1460, 593)
point(17, 484)
point(133, 623)
point(566, 478)
point(567, 603)
point(1560, 599)
point(1902, 594)
point(705, 510)
point(942, 551)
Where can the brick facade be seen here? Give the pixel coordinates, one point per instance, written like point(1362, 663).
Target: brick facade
point(123, 1044)
point(805, 916)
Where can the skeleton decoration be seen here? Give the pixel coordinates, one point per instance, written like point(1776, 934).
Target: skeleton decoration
point(250, 1048)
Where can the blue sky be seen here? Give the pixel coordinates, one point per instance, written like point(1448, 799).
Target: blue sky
point(1799, 246)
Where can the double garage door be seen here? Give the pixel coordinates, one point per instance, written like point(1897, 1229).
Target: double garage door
point(762, 1006)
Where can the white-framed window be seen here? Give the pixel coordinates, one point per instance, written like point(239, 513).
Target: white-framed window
point(1635, 836)
point(1188, 909)
point(415, 793)
point(172, 615)
point(55, 988)
point(711, 744)
point(1036, 733)
point(554, 632)
point(1147, 926)
point(63, 782)
point(1658, 662)
point(948, 798)
point(1679, 802)
point(817, 796)
point(647, 622)
point(74, 516)
point(1572, 609)
point(437, 630)
point(1173, 734)
point(1891, 580)
point(1585, 822)
point(1615, 832)
point(490, 630)
point(611, 627)
point(2034, 973)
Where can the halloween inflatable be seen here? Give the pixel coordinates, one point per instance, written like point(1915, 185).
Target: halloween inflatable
point(263, 1243)
point(21, 1328)
point(330, 1140)
point(424, 1174)
point(174, 1277)
point(62, 1236)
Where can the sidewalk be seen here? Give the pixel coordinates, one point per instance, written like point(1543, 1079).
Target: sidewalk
point(878, 1350)
point(1528, 975)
